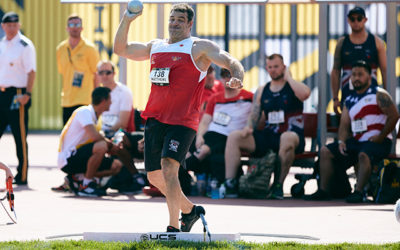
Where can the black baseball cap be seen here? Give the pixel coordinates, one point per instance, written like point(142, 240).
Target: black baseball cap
point(10, 17)
point(356, 10)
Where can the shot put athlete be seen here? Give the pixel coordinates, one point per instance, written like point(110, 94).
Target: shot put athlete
point(178, 67)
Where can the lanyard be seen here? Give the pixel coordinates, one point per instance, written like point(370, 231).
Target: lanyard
point(69, 56)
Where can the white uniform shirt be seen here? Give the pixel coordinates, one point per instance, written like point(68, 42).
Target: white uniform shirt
point(73, 134)
point(17, 59)
point(121, 100)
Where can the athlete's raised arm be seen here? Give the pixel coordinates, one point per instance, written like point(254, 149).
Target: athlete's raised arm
point(133, 50)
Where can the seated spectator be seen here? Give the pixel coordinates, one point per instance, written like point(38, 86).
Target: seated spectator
point(211, 86)
point(7, 170)
point(129, 180)
point(121, 100)
point(280, 103)
point(82, 149)
point(225, 112)
point(366, 123)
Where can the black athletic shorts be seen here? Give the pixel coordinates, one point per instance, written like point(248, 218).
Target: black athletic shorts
point(77, 162)
point(266, 139)
point(376, 152)
point(163, 140)
point(215, 141)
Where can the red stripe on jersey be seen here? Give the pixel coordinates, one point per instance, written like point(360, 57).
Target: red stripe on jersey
point(372, 109)
point(376, 126)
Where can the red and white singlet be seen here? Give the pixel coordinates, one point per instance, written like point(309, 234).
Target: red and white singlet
point(177, 84)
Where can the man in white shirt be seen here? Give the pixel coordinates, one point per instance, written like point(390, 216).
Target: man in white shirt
point(121, 96)
point(17, 75)
point(82, 148)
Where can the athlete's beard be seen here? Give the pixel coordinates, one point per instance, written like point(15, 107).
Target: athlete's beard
point(359, 86)
point(279, 77)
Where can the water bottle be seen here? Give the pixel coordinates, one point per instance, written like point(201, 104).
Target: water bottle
point(222, 191)
point(214, 189)
point(118, 136)
point(201, 184)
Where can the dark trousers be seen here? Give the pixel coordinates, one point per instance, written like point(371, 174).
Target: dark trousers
point(67, 112)
point(15, 115)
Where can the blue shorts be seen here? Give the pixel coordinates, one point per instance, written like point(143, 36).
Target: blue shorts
point(376, 152)
point(266, 139)
point(164, 140)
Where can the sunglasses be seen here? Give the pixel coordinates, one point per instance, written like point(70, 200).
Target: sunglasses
point(353, 19)
point(105, 72)
point(74, 25)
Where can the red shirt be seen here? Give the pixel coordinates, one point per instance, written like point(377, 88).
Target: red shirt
point(175, 99)
point(207, 93)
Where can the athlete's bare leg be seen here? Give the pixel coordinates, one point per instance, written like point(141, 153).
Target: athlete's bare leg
point(166, 180)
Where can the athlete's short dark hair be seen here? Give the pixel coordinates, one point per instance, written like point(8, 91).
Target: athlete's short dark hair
point(362, 64)
point(184, 8)
point(99, 94)
point(273, 56)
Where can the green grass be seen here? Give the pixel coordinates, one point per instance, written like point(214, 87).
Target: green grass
point(183, 245)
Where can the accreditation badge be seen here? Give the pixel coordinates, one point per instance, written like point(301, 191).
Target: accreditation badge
point(77, 80)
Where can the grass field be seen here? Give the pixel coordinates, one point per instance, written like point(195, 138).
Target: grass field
point(182, 245)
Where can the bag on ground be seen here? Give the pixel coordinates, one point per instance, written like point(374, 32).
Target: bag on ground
point(254, 184)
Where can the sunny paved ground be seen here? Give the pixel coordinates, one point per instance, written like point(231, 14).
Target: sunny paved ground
point(43, 214)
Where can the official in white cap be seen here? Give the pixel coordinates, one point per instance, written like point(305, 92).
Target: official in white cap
point(17, 75)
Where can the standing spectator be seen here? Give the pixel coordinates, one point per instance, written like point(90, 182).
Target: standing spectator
point(82, 149)
point(121, 96)
point(359, 45)
point(178, 67)
point(17, 76)
point(226, 112)
point(280, 103)
point(368, 118)
point(76, 60)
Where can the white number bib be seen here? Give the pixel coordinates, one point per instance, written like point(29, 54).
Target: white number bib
point(359, 126)
point(221, 118)
point(276, 117)
point(160, 76)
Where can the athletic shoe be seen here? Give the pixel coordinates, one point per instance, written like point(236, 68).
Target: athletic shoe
point(171, 229)
point(319, 195)
point(355, 197)
point(73, 183)
point(63, 187)
point(276, 192)
point(188, 220)
point(90, 190)
point(231, 188)
point(132, 188)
